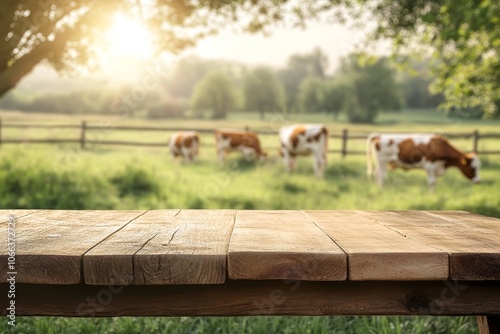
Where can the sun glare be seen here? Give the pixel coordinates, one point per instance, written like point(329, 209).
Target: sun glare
point(129, 38)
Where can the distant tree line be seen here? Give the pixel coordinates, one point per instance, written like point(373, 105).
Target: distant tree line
point(360, 88)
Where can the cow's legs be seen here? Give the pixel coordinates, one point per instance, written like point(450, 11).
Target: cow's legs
point(381, 171)
point(319, 164)
point(289, 161)
point(431, 175)
point(220, 156)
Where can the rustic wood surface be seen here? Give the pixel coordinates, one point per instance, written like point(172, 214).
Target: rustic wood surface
point(472, 241)
point(260, 298)
point(163, 247)
point(51, 244)
point(379, 253)
point(283, 245)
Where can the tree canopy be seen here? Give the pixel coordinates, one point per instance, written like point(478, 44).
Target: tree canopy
point(263, 91)
point(372, 87)
point(216, 92)
point(463, 35)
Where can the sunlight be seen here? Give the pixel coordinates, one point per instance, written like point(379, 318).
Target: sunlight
point(128, 37)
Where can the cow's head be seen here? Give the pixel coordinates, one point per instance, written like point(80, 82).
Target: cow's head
point(470, 165)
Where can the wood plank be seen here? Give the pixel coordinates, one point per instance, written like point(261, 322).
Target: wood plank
point(190, 248)
point(283, 245)
point(376, 252)
point(241, 298)
point(51, 244)
point(473, 241)
point(112, 261)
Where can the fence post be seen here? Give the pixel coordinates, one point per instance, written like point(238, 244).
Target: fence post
point(82, 136)
point(475, 139)
point(344, 142)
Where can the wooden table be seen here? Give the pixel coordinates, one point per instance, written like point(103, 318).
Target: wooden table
point(228, 262)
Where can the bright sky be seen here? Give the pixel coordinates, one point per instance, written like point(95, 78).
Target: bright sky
point(334, 40)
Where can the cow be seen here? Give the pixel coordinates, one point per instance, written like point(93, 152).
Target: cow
point(185, 144)
point(433, 153)
point(304, 139)
point(246, 142)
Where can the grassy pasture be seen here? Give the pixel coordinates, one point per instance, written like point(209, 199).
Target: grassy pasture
point(116, 177)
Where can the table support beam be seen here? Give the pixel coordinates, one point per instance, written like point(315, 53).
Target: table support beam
point(237, 298)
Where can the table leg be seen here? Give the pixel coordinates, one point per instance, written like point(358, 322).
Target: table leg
point(488, 325)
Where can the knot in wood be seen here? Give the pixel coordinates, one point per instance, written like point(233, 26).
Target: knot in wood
point(417, 303)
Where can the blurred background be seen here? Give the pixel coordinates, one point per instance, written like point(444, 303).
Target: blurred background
point(91, 92)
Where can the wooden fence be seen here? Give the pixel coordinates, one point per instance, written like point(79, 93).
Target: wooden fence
point(345, 137)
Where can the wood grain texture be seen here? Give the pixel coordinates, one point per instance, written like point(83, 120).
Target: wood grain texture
point(112, 260)
point(283, 245)
point(239, 298)
point(376, 252)
point(472, 241)
point(51, 244)
point(5, 214)
point(190, 248)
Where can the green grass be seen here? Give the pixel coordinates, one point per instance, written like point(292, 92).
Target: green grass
point(63, 177)
point(250, 325)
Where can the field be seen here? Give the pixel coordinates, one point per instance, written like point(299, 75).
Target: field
point(114, 177)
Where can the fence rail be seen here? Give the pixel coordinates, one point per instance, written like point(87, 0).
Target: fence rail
point(345, 136)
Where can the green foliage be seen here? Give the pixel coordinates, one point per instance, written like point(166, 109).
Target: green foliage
point(263, 91)
point(415, 78)
point(215, 92)
point(310, 95)
point(352, 108)
point(464, 37)
point(334, 93)
point(30, 180)
point(371, 86)
point(134, 181)
point(300, 67)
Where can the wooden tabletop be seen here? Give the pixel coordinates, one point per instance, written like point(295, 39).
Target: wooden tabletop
point(165, 247)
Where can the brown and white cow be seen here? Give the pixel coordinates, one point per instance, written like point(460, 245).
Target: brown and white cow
point(433, 153)
point(185, 144)
point(304, 139)
point(246, 142)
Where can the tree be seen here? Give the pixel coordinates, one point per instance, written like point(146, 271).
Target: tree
point(67, 33)
point(464, 38)
point(463, 34)
point(415, 82)
point(310, 95)
point(300, 67)
point(334, 93)
point(214, 92)
point(263, 91)
point(373, 82)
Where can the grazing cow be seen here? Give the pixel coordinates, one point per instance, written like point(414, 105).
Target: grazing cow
point(185, 144)
point(433, 153)
point(235, 140)
point(304, 140)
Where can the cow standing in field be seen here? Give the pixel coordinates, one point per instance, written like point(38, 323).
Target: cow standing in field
point(433, 153)
point(185, 144)
point(304, 140)
point(246, 142)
